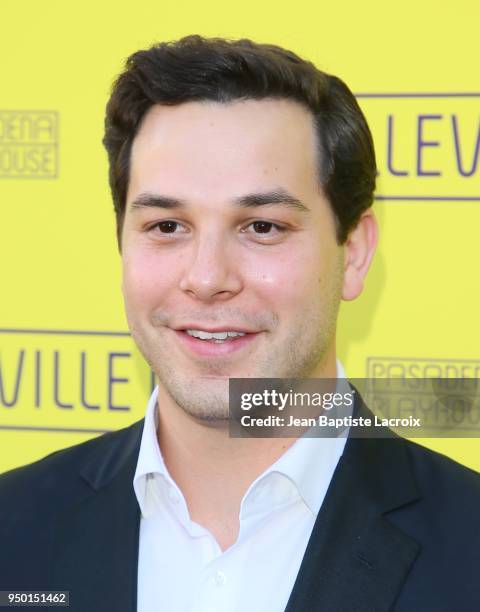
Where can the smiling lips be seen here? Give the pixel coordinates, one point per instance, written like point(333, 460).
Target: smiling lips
point(215, 343)
point(217, 337)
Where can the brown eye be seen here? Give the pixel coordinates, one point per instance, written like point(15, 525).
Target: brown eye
point(167, 227)
point(262, 227)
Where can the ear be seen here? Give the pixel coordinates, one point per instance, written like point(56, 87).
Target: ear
point(358, 250)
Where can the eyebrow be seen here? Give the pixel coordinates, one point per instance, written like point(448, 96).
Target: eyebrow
point(251, 200)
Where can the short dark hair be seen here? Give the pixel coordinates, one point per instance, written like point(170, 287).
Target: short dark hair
point(196, 68)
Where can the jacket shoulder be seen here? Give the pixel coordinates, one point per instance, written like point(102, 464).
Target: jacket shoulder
point(445, 517)
point(441, 475)
point(53, 477)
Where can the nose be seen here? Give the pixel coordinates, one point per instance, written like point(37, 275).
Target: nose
point(212, 272)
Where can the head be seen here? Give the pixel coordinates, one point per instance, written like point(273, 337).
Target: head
point(242, 179)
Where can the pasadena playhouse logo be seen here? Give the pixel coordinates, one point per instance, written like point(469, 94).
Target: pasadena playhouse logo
point(444, 393)
point(28, 144)
point(419, 368)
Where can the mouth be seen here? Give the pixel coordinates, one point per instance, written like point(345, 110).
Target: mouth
point(215, 343)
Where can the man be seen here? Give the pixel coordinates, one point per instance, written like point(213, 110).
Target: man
point(242, 180)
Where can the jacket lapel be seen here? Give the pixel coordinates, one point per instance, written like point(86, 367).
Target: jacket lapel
point(96, 545)
point(356, 560)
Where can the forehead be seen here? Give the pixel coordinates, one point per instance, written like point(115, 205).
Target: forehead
point(221, 148)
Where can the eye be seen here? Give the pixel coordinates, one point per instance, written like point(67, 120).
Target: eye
point(264, 228)
point(165, 227)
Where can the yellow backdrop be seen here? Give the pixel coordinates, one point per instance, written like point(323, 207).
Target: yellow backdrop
point(68, 369)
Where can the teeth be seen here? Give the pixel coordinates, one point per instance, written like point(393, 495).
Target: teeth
point(203, 335)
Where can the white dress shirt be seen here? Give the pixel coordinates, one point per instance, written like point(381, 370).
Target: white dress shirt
point(181, 567)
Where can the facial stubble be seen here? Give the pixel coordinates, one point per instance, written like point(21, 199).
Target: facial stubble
point(204, 397)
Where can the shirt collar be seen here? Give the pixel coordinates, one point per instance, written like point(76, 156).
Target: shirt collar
point(150, 460)
point(308, 464)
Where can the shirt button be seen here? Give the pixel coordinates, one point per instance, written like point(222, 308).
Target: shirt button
point(219, 579)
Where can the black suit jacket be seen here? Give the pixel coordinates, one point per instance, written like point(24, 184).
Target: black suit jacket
point(399, 530)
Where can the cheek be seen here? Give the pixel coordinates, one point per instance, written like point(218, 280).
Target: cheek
point(285, 279)
point(299, 282)
point(145, 278)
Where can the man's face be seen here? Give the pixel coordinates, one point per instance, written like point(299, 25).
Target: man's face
point(226, 229)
